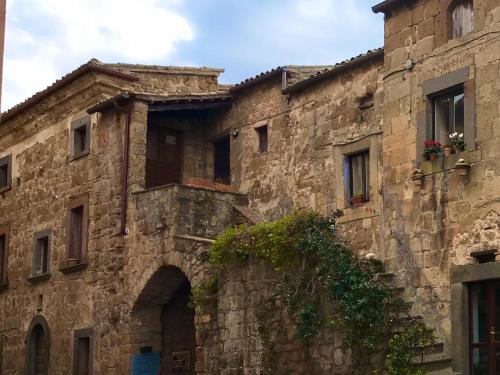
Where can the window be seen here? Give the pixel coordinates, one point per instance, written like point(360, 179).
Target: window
point(77, 226)
point(76, 232)
point(41, 253)
point(448, 116)
point(358, 178)
point(461, 18)
point(222, 165)
point(5, 173)
point(4, 254)
point(82, 356)
point(80, 138)
point(263, 138)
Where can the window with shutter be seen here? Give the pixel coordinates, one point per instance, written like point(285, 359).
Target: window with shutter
point(262, 133)
point(4, 255)
point(80, 138)
point(41, 255)
point(461, 18)
point(5, 173)
point(76, 235)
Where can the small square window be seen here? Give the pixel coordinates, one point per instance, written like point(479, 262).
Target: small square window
point(448, 116)
point(41, 253)
point(5, 173)
point(80, 137)
point(263, 138)
point(357, 178)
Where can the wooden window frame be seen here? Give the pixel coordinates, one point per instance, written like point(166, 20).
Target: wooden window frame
point(4, 279)
point(6, 162)
point(79, 334)
point(72, 266)
point(263, 138)
point(35, 277)
point(74, 127)
point(451, 8)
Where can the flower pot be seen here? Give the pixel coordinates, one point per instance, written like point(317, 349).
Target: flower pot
point(357, 200)
point(462, 167)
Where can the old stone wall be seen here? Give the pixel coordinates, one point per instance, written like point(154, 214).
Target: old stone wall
point(430, 229)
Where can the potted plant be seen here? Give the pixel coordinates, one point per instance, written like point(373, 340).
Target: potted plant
point(432, 149)
point(417, 177)
point(462, 167)
point(357, 199)
point(457, 141)
point(448, 150)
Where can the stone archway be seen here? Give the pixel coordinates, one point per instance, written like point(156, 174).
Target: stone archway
point(38, 347)
point(163, 306)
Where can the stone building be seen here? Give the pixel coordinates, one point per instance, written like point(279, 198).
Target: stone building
point(115, 179)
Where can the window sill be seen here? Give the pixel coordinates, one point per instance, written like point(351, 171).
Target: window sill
point(446, 163)
point(38, 278)
point(5, 188)
point(4, 286)
point(70, 268)
point(78, 156)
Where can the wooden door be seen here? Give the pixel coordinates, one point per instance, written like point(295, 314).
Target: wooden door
point(163, 157)
point(484, 325)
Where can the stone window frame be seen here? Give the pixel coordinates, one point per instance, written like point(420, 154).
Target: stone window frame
point(6, 161)
point(4, 282)
point(369, 143)
point(436, 87)
point(35, 277)
point(84, 121)
point(67, 267)
point(460, 279)
point(79, 334)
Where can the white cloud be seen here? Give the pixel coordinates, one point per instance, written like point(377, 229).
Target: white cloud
point(47, 38)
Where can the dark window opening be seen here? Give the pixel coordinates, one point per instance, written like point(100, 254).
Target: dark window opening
point(41, 255)
point(80, 140)
point(484, 256)
point(3, 259)
point(448, 116)
point(82, 364)
point(263, 138)
point(76, 228)
point(366, 102)
point(164, 156)
point(358, 178)
point(5, 172)
point(461, 18)
point(80, 137)
point(222, 165)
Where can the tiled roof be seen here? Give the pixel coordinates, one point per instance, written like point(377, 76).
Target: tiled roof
point(335, 69)
point(257, 78)
point(91, 65)
point(386, 6)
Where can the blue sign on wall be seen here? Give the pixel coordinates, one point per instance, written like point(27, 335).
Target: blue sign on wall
point(146, 364)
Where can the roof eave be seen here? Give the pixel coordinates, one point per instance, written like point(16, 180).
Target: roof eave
point(73, 76)
point(388, 6)
point(260, 78)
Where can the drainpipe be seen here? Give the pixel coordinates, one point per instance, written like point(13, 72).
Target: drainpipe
point(284, 83)
point(126, 147)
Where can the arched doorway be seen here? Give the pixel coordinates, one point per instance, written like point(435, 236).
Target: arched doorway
point(178, 333)
point(38, 347)
point(168, 292)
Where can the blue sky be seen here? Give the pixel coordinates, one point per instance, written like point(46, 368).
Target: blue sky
point(47, 38)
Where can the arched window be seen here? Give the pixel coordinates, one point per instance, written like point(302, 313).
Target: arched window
point(461, 18)
point(38, 347)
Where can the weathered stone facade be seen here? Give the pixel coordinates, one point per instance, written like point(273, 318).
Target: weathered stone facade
point(153, 184)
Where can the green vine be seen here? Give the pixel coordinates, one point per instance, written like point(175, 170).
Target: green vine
point(324, 283)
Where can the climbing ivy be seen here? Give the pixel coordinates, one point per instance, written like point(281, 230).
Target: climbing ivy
point(324, 283)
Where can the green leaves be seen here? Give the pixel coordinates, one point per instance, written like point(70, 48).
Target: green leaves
point(324, 282)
